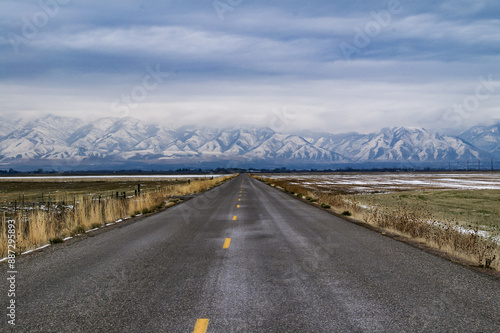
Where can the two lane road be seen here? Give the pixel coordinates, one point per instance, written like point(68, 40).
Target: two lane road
point(245, 257)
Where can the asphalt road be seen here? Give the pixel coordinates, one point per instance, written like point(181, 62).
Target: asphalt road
point(273, 264)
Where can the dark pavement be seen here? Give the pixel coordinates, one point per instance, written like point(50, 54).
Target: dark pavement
point(287, 267)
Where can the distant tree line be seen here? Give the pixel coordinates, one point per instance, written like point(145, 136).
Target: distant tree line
point(448, 166)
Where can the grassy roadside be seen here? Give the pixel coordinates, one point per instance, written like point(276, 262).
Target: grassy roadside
point(51, 222)
point(470, 209)
point(411, 215)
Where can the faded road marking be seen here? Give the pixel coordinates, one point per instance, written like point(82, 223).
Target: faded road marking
point(226, 243)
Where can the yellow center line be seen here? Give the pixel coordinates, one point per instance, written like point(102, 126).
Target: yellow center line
point(201, 325)
point(234, 218)
point(239, 199)
point(226, 245)
point(237, 206)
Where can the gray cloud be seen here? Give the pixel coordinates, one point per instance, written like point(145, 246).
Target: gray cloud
point(263, 56)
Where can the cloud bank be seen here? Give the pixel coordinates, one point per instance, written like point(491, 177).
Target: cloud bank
point(333, 66)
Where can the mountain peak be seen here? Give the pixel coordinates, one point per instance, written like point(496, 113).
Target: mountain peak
point(129, 139)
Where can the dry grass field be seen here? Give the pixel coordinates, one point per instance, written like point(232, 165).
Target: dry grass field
point(469, 208)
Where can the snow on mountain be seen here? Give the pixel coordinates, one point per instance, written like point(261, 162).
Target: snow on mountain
point(399, 144)
point(41, 139)
point(8, 126)
point(55, 137)
point(486, 138)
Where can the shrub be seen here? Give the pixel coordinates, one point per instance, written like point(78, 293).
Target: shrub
point(324, 205)
point(346, 213)
point(95, 225)
point(311, 199)
point(77, 230)
point(55, 240)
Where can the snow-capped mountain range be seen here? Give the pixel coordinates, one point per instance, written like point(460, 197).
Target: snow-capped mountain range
point(55, 138)
point(486, 138)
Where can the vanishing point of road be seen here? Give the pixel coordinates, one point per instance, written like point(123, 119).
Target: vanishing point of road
point(245, 257)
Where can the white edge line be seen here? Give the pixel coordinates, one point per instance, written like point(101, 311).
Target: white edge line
point(117, 221)
point(38, 248)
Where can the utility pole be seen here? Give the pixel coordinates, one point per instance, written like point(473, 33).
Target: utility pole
point(479, 164)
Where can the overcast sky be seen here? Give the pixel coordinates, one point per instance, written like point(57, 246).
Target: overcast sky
point(331, 65)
